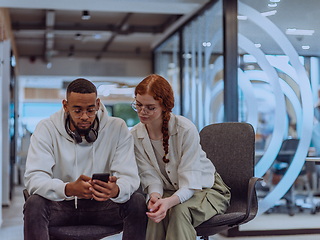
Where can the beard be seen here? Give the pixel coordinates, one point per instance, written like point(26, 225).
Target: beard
point(79, 130)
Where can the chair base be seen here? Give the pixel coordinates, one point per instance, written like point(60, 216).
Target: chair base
point(83, 232)
point(235, 232)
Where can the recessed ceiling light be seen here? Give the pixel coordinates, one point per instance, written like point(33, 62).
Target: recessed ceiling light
point(294, 31)
point(257, 45)
point(206, 44)
point(275, 1)
point(305, 47)
point(78, 36)
point(272, 5)
point(85, 15)
point(49, 65)
point(269, 13)
point(187, 55)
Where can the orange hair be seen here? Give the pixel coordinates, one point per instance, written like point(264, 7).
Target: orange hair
point(161, 90)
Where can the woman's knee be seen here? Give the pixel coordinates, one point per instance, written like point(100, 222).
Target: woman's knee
point(180, 212)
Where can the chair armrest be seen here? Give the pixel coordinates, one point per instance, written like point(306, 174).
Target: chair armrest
point(251, 189)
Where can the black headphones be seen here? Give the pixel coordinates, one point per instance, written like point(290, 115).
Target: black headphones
point(91, 136)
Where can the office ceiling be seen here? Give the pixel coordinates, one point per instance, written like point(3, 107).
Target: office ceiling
point(116, 28)
point(126, 28)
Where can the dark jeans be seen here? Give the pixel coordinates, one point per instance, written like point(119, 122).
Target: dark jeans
point(40, 213)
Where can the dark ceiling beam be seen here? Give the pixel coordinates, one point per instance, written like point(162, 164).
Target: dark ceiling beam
point(30, 26)
point(91, 54)
point(102, 28)
point(120, 26)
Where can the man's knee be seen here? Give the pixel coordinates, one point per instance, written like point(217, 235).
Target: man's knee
point(35, 203)
point(136, 204)
point(137, 200)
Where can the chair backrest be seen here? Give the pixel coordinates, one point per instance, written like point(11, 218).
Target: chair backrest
point(290, 144)
point(231, 148)
point(288, 149)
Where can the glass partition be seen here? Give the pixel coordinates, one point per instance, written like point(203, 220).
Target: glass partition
point(277, 88)
point(167, 64)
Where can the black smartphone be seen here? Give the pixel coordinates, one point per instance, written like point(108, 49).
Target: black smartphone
point(101, 176)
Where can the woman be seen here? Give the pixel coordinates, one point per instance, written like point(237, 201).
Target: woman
point(183, 187)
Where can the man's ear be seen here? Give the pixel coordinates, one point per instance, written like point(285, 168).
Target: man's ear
point(98, 103)
point(65, 105)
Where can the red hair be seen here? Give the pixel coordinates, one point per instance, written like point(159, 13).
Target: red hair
point(161, 90)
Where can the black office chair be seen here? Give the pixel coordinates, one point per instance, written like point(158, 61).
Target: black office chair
point(81, 232)
point(279, 168)
point(231, 148)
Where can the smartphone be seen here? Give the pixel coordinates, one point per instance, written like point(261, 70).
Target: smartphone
point(101, 176)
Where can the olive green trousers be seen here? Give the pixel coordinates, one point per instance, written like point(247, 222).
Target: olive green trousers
point(181, 219)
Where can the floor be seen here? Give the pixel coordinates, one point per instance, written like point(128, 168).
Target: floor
point(12, 227)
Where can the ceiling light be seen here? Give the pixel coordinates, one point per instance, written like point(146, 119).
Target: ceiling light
point(272, 5)
point(305, 47)
point(187, 55)
point(49, 65)
point(85, 15)
point(269, 13)
point(275, 1)
point(294, 31)
point(206, 44)
point(241, 17)
point(257, 45)
point(78, 36)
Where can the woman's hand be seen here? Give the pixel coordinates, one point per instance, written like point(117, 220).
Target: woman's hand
point(154, 197)
point(158, 207)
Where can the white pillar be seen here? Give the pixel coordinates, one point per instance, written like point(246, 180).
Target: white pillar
point(5, 50)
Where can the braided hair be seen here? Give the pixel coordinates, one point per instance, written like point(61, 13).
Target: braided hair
point(161, 90)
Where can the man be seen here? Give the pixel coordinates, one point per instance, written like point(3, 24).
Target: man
point(65, 150)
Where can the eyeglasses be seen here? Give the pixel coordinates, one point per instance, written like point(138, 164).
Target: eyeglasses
point(148, 110)
point(77, 113)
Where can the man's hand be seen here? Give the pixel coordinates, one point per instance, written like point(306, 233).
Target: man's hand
point(79, 188)
point(102, 191)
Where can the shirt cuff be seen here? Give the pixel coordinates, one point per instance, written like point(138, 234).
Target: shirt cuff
point(184, 194)
point(155, 187)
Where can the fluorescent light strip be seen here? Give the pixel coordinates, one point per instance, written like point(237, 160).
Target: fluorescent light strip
point(269, 13)
point(272, 5)
point(305, 47)
point(241, 17)
point(294, 31)
point(264, 14)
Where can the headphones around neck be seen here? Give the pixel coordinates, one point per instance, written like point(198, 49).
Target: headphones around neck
point(91, 136)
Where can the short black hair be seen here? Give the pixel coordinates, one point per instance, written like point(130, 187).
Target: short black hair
point(81, 85)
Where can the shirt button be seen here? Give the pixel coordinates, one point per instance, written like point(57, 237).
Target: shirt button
point(168, 171)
